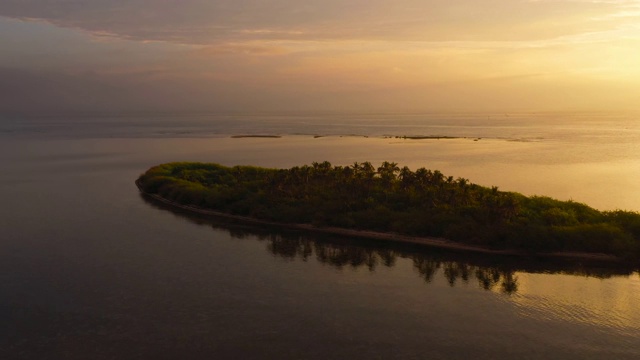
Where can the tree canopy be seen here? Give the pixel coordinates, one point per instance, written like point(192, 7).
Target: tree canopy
point(389, 198)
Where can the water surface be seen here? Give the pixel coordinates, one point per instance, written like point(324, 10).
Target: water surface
point(91, 270)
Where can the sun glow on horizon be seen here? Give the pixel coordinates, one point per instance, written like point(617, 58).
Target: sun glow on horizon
point(412, 55)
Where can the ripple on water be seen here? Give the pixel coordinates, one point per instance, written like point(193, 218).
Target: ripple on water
point(609, 305)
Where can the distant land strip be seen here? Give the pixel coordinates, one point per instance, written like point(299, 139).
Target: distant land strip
point(404, 137)
point(428, 137)
point(255, 136)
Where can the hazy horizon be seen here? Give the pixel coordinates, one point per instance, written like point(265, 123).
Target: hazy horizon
point(373, 56)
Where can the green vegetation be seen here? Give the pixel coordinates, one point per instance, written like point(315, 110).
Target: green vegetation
point(394, 199)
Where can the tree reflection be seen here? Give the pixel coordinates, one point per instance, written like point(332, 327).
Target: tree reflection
point(426, 267)
point(354, 256)
point(509, 283)
point(455, 272)
point(290, 248)
point(458, 271)
point(490, 272)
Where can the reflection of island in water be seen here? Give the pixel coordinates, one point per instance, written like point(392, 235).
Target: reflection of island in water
point(490, 272)
point(428, 265)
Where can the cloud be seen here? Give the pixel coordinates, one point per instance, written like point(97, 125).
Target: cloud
point(259, 49)
point(357, 54)
point(210, 22)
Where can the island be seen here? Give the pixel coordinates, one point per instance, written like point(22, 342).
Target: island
point(397, 204)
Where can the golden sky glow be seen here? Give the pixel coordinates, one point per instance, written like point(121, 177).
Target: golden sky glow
point(406, 55)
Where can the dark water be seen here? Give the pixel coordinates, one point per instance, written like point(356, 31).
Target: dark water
point(91, 270)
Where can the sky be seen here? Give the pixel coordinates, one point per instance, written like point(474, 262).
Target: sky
point(312, 55)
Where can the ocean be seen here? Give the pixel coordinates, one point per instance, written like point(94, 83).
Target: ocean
point(90, 269)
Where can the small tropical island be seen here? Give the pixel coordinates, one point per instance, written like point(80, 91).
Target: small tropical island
point(397, 204)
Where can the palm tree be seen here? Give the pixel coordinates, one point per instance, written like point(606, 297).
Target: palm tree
point(387, 171)
point(367, 170)
point(437, 177)
point(356, 169)
point(422, 176)
point(407, 177)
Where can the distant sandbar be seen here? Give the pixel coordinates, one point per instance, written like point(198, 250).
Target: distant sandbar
point(255, 136)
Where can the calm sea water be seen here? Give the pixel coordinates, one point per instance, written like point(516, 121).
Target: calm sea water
point(90, 269)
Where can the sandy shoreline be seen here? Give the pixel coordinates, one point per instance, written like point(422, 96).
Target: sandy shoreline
point(434, 242)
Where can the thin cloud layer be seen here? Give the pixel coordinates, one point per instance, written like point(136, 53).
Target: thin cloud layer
point(406, 55)
point(207, 22)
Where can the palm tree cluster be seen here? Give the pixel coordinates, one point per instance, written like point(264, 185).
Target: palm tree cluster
point(393, 199)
